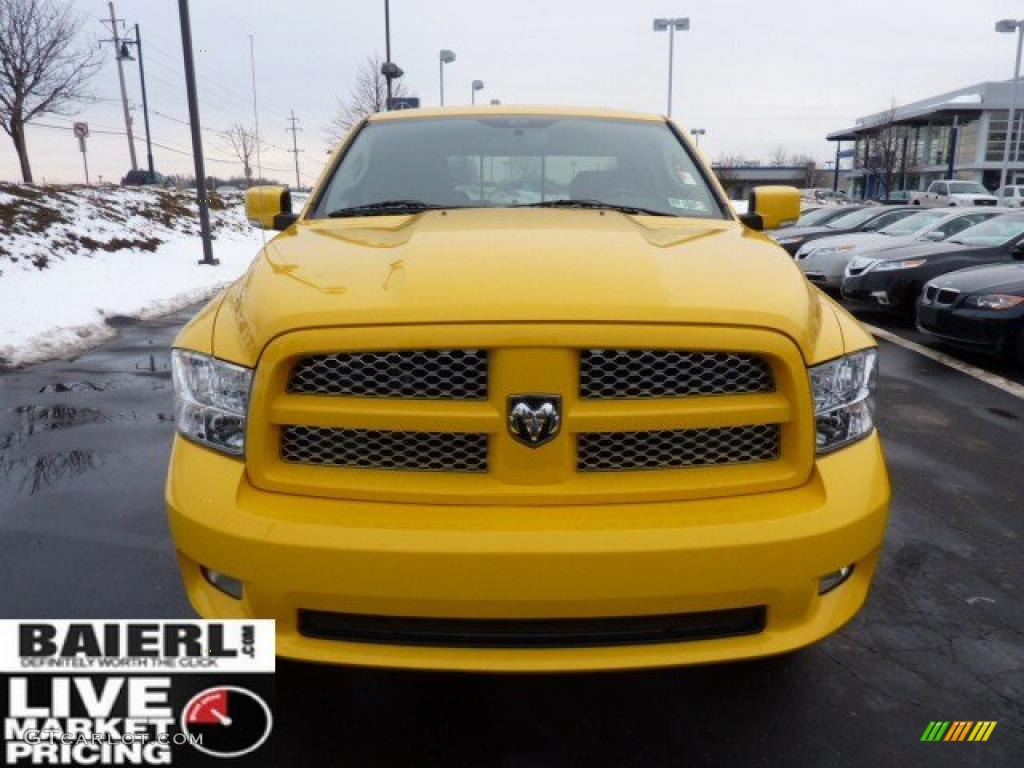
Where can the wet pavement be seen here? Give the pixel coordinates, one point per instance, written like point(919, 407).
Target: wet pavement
point(83, 450)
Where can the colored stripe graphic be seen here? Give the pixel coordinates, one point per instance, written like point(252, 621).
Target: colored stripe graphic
point(958, 730)
point(935, 730)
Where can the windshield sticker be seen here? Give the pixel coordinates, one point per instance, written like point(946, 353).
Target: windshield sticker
point(688, 205)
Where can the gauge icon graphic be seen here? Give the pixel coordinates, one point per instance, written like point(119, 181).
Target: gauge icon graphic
point(227, 721)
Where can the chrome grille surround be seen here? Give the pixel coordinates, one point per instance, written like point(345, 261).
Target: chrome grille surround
point(383, 449)
point(648, 373)
point(673, 449)
point(427, 374)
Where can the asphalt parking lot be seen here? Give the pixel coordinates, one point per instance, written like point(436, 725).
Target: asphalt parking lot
point(83, 450)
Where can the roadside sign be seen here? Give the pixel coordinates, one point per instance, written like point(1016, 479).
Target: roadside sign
point(81, 130)
point(405, 102)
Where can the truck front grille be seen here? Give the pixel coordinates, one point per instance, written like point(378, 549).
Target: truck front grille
point(668, 449)
point(380, 449)
point(428, 374)
point(643, 373)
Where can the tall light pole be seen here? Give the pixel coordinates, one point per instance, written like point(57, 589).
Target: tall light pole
point(197, 136)
point(681, 24)
point(116, 40)
point(697, 133)
point(1011, 25)
point(478, 85)
point(447, 57)
point(127, 56)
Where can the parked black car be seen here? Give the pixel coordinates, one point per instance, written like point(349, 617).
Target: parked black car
point(979, 308)
point(857, 219)
point(895, 279)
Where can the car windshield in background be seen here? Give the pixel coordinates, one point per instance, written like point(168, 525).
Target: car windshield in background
point(853, 219)
point(913, 224)
point(818, 216)
point(995, 231)
point(496, 162)
point(967, 188)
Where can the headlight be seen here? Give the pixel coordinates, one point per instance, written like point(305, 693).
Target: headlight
point(844, 399)
point(886, 266)
point(830, 249)
point(859, 264)
point(211, 400)
point(993, 301)
point(789, 240)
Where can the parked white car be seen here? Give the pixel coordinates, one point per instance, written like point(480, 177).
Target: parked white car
point(952, 192)
point(1012, 195)
point(824, 261)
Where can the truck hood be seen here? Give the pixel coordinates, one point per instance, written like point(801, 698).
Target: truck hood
point(518, 265)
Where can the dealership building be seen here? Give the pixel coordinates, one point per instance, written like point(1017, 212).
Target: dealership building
point(963, 130)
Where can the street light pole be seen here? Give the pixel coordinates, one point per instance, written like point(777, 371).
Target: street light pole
point(137, 42)
point(197, 138)
point(697, 133)
point(478, 85)
point(446, 57)
point(1011, 25)
point(660, 25)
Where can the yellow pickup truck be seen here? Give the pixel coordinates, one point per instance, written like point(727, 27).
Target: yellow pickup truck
point(517, 390)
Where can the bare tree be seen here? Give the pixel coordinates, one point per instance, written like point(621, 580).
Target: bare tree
point(368, 95)
point(779, 156)
point(244, 143)
point(42, 70)
point(884, 146)
point(810, 167)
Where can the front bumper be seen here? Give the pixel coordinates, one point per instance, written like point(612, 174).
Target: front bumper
point(886, 290)
point(610, 560)
point(987, 331)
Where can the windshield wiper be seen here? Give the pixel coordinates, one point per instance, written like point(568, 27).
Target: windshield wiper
point(595, 205)
point(385, 208)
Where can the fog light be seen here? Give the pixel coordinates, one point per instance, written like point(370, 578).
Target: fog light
point(229, 585)
point(882, 297)
point(830, 581)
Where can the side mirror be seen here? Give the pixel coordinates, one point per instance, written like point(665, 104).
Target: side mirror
point(935, 236)
point(269, 207)
point(772, 207)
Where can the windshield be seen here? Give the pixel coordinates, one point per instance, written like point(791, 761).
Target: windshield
point(819, 216)
point(914, 224)
point(529, 160)
point(997, 231)
point(854, 219)
point(966, 188)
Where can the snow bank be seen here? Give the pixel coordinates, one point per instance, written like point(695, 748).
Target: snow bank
point(70, 258)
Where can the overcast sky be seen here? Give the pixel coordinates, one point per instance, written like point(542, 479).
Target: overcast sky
point(755, 75)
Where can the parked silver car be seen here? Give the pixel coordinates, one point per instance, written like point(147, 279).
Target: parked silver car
point(824, 260)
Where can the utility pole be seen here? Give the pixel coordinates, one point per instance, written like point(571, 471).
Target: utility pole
point(197, 137)
point(295, 146)
point(114, 21)
point(387, 47)
point(255, 110)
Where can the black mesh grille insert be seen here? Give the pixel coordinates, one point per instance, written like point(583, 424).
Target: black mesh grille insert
point(379, 449)
point(670, 449)
point(640, 373)
point(532, 633)
point(429, 374)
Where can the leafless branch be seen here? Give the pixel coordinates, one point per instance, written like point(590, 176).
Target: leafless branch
point(368, 95)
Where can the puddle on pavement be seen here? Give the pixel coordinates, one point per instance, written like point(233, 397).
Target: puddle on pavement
point(35, 419)
point(72, 386)
point(30, 475)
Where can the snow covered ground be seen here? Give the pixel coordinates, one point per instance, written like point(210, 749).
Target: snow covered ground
point(72, 257)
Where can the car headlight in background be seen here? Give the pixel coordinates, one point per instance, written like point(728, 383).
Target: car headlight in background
point(828, 250)
point(886, 266)
point(859, 264)
point(789, 240)
point(844, 399)
point(211, 400)
point(993, 301)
